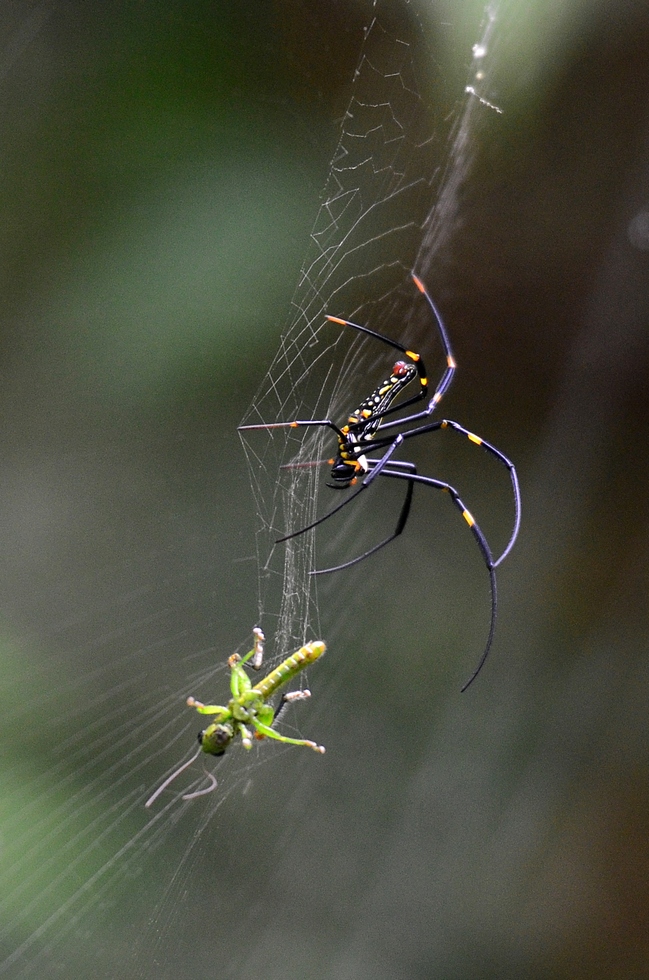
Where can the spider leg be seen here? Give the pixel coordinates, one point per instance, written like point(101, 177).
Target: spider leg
point(297, 423)
point(325, 517)
point(482, 544)
point(379, 464)
point(401, 523)
point(446, 378)
point(413, 355)
point(478, 441)
point(507, 463)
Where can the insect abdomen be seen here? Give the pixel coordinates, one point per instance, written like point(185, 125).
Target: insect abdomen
point(289, 668)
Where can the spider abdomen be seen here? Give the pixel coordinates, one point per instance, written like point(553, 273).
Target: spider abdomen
point(368, 415)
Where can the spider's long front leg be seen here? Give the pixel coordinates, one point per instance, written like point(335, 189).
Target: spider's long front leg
point(444, 383)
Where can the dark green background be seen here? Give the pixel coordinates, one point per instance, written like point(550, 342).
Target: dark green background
point(161, 170)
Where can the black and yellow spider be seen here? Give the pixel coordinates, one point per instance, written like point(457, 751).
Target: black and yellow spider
point(367, 429)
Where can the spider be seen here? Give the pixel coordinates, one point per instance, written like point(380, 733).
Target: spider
point(248, 708)
point(367, 428)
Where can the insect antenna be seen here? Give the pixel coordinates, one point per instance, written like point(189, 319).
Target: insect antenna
point(203, 792)
point(170, 779)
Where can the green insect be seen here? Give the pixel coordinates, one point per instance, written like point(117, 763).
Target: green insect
point(248, 712)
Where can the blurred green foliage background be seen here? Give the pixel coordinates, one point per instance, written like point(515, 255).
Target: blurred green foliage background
point(161, 171)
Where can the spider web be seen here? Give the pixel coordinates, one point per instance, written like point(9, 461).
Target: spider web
point(390, 205)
